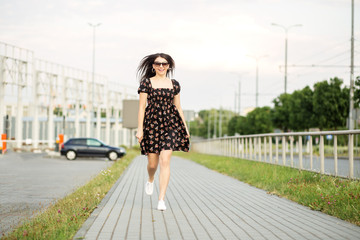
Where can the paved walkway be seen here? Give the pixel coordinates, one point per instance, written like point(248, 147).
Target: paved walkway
point(203, 204)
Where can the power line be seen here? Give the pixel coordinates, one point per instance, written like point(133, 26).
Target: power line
point(262, 94)
point(317, 65)
point(314, 66)
point(321, 66)
point(326, 66)
point(338, 55)
point(323, 51)
point(337, 45)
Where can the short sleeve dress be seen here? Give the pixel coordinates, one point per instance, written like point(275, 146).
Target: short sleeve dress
point(163, 128)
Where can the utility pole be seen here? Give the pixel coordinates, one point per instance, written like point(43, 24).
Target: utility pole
point(235, 102)
point(286, 29)
point(215, 123)
point(220, 123)
point(351, 120)
point(2, 95)
point(94, 26)
point(257, 83)
point(239, 105)
point(257, 58)
point(209, 124)
point(237, 108)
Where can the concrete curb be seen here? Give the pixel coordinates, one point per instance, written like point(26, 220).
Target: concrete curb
point(87, 224)
point(52, 154)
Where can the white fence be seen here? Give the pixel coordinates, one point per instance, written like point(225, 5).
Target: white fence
point(267, 147)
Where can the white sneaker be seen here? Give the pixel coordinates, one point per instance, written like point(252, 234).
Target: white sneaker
point(149, 188)
point(161, 205)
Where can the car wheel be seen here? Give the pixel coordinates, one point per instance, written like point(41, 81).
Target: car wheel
point(71, 155)
point(113, 156)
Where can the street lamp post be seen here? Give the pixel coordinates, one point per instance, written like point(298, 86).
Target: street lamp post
point(239, 97)
point(94, 26)
point(257, 58)
point(286, 29)
point(351, 119)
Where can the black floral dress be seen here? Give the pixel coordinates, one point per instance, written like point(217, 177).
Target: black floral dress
point(163, 127)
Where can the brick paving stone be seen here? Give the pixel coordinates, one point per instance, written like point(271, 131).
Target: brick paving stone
point(203, 204)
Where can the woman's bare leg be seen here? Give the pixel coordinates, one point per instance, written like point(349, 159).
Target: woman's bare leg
point(165, 156)
point(153, 161)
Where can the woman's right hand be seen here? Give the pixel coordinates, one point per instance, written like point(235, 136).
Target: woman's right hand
point(139, 135)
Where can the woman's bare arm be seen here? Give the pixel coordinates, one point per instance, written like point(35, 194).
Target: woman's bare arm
point(141, 114)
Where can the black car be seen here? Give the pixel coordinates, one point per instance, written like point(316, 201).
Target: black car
point(90, 147)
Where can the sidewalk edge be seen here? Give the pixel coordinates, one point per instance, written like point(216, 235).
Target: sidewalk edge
point(88, 223)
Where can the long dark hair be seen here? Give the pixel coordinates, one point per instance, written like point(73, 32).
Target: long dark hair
point(145, 69)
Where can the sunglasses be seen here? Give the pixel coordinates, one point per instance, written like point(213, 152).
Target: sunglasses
point(165, 64)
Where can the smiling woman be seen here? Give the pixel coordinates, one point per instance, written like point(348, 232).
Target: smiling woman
point(147, 71)
point(161, 123)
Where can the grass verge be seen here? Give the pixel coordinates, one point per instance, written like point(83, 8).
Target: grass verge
point(65, 217)
point(334, 196)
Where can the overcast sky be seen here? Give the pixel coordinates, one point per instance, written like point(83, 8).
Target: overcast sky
point(210, 40)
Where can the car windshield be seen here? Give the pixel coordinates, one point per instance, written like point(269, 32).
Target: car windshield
point(101, 142)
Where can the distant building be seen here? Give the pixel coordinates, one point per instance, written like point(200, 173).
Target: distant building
point(190, 115)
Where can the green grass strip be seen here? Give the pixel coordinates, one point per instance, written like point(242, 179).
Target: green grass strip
point(65, 217)
point(334, 196)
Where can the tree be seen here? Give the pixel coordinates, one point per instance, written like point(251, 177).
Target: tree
point(256, 121)
point(237, 124)
point(232, 126)
point(194, 128)
point(330, 104)
point(199, 127)
point(259, 121)
point(357, 92)
point(280, 114)
point(301, 109)
point(325, 107)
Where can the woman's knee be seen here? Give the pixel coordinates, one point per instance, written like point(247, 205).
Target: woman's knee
point(153, 160)
point(164, 162)
point(152, 166)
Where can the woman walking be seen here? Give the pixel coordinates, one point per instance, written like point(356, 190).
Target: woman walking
point(161, 123)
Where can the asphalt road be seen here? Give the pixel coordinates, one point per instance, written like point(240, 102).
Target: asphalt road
point(343, 164)
point(29, 182)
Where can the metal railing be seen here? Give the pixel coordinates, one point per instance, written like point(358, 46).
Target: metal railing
point(260, 147)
